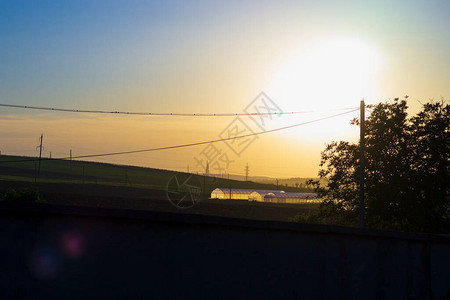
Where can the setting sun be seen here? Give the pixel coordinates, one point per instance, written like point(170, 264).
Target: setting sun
point(328, 72)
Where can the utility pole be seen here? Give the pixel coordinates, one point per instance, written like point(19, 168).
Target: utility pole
point(40, 155)
point(277, 183)
point(71, 159)
point(246, 172)
point(361, 165)
point(229, 183)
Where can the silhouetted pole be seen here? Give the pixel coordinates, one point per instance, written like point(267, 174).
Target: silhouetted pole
point(40, 155)
point(229, 183)
point(361, 166)
point(71, 159)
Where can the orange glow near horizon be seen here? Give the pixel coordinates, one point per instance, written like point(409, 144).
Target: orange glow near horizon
point(321, 57)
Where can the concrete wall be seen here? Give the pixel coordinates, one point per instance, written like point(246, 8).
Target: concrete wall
point(55, 252)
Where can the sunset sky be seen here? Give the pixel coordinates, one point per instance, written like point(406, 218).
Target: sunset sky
point(317, 57)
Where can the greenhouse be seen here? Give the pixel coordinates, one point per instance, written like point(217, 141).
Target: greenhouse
point(273, 196)
point(259, 195)
point(241, 194)
point(292, 198)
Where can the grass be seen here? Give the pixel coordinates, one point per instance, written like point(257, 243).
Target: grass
point(59, 171)
point(82, 183)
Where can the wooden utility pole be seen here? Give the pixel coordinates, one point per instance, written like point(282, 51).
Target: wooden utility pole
point(71, 159)
point(361, 165)
point(229, 183)
point(40, 155)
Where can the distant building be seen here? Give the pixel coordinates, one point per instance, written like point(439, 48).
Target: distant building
point(273, 196)
point(259, 195)
point(292, 198)
point(240, 194)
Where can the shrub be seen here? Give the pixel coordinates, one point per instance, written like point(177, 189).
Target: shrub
point(26, 195)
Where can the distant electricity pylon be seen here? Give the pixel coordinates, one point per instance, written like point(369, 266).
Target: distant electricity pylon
point(246, 172)
point(207, 169)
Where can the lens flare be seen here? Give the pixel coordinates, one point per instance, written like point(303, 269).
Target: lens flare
point(45, 262)
point(72, 244)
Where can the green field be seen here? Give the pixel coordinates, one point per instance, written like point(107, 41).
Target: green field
point(82, 183)
point(56, 171)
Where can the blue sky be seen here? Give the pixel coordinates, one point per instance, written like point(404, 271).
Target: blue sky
point(206, 56)
point(50, 51)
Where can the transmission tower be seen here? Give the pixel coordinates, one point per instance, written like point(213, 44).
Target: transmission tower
point(246, 172)
point(207, 168)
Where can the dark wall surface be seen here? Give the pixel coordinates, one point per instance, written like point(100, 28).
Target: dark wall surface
point(57, 252)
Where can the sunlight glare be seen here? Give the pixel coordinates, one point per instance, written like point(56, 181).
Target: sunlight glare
point(327, 73)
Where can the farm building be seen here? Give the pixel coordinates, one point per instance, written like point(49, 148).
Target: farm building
point(236, 194)
point(239, 194)
point(274, 196)
point(259, 195)
point(292, 198)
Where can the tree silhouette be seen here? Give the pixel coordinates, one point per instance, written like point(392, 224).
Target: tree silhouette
point(406, 171)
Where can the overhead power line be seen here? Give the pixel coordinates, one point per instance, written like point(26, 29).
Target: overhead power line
point(151, 113)
point(197, 143)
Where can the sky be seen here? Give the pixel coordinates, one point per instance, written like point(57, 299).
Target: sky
point(316, 57)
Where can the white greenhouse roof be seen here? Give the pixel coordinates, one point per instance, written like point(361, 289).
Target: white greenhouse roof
point(293, 195)
point(246, 191)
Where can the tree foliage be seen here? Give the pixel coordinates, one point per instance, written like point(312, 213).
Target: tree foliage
point(26, 195)
point(406, 171)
